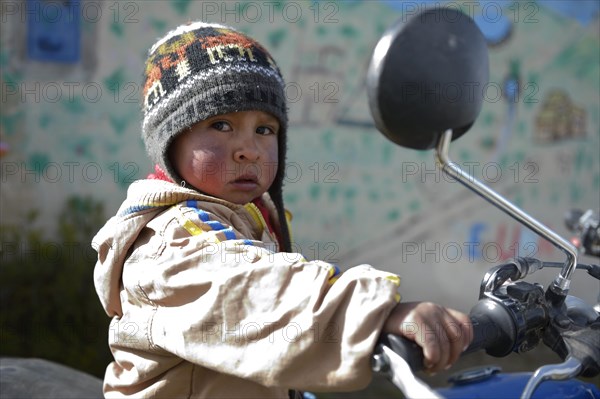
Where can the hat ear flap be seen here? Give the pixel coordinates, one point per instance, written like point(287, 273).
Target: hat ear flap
point(276, 191)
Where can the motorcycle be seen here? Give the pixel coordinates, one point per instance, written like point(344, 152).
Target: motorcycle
point(586, 227)
point(440, 48)
point(435, 48)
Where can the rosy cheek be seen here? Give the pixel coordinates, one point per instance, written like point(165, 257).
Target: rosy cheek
point(206, 162)
point(272, 151)
point(272, 164)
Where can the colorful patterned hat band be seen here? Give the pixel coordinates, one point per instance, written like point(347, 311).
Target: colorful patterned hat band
point(201, 70)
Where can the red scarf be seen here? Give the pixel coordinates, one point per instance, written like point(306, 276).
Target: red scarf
point(159, 174)
point(265, 213)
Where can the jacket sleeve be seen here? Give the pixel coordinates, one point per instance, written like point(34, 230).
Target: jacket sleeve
point(274, 318)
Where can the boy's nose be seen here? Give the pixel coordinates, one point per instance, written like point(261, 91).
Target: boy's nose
point(247, 150)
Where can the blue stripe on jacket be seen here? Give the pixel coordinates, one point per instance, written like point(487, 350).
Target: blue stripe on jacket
point(214, 224)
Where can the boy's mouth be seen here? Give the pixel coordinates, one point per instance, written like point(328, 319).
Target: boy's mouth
point(247, 178)
point(246, 181)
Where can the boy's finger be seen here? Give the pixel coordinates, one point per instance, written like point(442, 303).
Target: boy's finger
point(432, 351)
point(437, 350)
point(466, 327)
point(451, 338)
point(459, 333)
point(454, 337)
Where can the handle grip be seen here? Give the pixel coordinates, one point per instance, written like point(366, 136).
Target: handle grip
point(406, 349)
point(493, 330)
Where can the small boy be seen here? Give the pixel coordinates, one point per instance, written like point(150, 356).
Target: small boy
point(196, 270)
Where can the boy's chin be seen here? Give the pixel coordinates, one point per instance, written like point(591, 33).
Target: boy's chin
point(240, 198)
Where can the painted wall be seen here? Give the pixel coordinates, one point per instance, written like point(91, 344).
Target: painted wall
point(70, 127)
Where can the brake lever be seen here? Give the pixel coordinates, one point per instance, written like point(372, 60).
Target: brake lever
point(575, 343)
point(571, 340)
point(397, 370)
point(570, 368)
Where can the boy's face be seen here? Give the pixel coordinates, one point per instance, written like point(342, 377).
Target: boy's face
point(231, 156)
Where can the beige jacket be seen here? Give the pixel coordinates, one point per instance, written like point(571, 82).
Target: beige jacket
point(204, 306)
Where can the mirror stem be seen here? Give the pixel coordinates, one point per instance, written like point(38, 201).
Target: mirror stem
point(560, 286)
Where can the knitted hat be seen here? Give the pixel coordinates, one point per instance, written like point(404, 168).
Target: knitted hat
point(200, 70)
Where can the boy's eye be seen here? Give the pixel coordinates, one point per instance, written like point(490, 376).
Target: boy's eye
point(264, 130)
point(221, 126)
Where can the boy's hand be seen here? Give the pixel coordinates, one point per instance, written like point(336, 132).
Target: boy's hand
point(442, 333)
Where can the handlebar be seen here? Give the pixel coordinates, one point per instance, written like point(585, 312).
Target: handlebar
point(514, 316)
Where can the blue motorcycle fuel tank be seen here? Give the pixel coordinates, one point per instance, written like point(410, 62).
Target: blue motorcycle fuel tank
point(492, 385)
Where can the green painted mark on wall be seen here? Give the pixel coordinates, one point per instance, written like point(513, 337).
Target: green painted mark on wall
point(349, 31)
point(276, 37)
point(4, 58)
point(367, 141)
point(374, 196)
point(10, 122)
point(393, 215)
point(464, 155)
point(314, 192)
point(117, 29)
point(414, 205)
point(45, 120)
point(386, 154)
point(581, 59)
point(350, 193)
point(114, 81)
point(333, 192)
point(424, 155)
point(121, 175)
point(119, 124)
point(327, 140)
point(488, 119)
point(519, 156)
point(291, 199)
point(158, 25)
point(74, 105)
point(488, 143)
point(12, 79)
point(38, 162)
point(181, 6)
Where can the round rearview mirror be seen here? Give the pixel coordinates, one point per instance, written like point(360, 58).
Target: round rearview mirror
point(426, 76)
